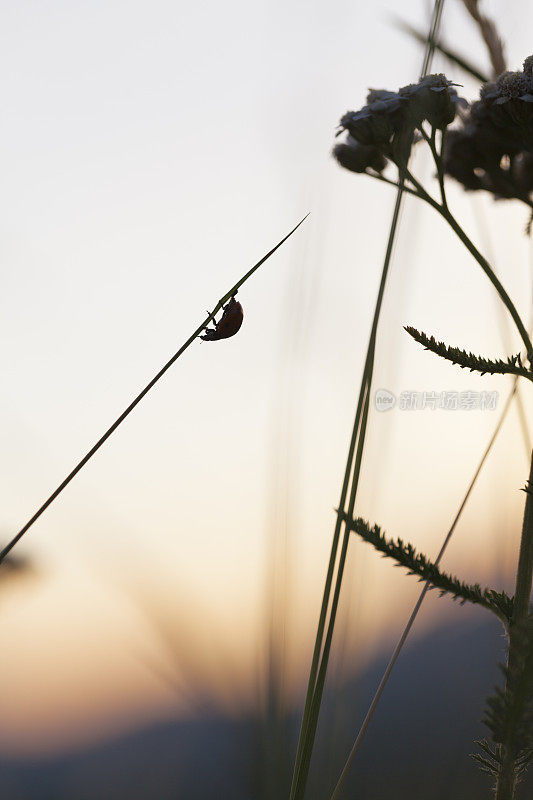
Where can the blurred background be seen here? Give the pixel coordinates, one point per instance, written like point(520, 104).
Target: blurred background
point(158, 627)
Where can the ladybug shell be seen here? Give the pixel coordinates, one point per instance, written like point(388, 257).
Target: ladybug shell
point(229, 324)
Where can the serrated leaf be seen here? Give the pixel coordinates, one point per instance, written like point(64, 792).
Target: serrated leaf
point(418, 564)
point(466, 360)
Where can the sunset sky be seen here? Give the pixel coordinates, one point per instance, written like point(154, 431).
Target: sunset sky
point(151, 154)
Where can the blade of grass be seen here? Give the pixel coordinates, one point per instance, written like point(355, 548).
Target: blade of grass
point(317, 677)
point(140, 396)
point(317, 674)
point(322, 671)
point(451, 55)
point(328, 581)
point(489, 34)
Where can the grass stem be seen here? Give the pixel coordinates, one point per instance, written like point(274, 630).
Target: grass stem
point(320, 659)
point(4, 552)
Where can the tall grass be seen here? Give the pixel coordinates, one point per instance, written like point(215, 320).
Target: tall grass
point(337, 559)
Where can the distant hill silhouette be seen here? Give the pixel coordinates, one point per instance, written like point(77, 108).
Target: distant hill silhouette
point(419, 741)
point(416, 748)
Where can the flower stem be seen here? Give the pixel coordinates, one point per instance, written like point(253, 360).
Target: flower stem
point(450, 219)
point(445, 212)
point(491, 275)
point(431, 141)
point(440, 166)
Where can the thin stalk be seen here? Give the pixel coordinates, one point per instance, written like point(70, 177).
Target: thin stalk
point(440, 164)
point(420, 191)
point(317, 676)
point(329, 579)
point(430, 139)
point(451, 55)
point(137, 400)
point(445, 212)
point(314, 709)
point(489, 272)
point(506, 784)
point(383, 179)
point(486, 237)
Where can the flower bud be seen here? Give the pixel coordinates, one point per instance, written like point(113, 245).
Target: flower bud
point(433, 99)
point(359, 157)
point(494, 149)
point(376, 122)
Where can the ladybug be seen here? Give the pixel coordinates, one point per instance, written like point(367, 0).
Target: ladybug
point(229, 324)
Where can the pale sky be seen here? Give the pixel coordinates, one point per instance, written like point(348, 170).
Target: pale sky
point(152, 152)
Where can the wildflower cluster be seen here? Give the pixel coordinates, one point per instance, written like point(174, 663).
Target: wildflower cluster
point(493, 149)
point(385, 127)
